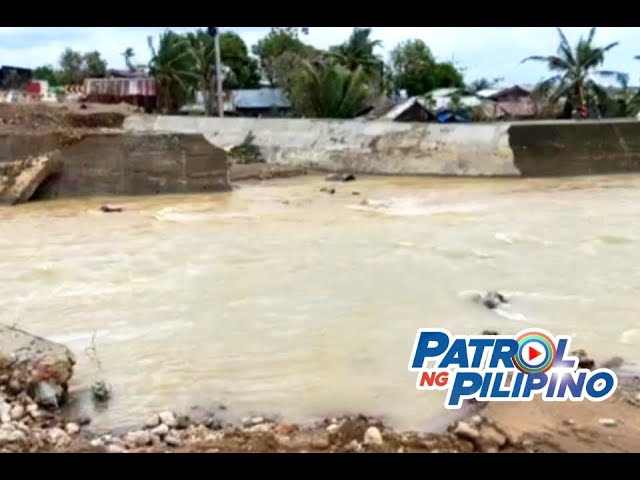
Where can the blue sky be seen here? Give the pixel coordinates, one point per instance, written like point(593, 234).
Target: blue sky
point(484, 51)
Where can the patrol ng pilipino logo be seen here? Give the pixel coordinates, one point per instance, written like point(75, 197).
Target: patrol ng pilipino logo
point(506, 368)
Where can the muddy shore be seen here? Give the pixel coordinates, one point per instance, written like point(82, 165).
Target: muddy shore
point(536, 426)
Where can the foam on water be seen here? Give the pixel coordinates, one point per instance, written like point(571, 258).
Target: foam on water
point(409, 207)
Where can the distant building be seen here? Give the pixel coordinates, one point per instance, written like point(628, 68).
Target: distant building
point(260, 102)
point(138, 91)
point(415, 109)
point(14, 77)
point(511, 94)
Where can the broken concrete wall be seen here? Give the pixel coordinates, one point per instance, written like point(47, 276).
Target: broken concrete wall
point(365, 147)
point(539, 148)
point(19, 180)
point(119, 163)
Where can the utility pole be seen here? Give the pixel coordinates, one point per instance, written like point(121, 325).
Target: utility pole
point(213, 32)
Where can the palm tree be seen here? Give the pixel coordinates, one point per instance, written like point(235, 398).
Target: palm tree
point(203, 51)
point(575, 69)
point(357, 51)
point(172, 66)
point(330, 90)
point(128, 55)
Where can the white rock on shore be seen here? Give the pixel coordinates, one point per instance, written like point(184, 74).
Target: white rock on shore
point(466, 431)
point(161, 430)
point(140, 438)
point(17, 412)
point(57, 436)
point(372, 436)
point(113, 448)
point(168, 418)
point(333, 428)
point(152, 421)
point(608, 422)
point(72, 428)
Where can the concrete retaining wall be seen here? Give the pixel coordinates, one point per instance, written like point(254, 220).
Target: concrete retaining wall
point(119, 163)
point(365, 147)
point(499, 149)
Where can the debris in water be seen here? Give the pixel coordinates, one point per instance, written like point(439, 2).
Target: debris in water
point(330, 191)
point(340, 177)
point(110, 209)
point(493, 299)
point(100, 391)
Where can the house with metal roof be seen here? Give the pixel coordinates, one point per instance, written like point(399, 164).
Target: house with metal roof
point(260, 102)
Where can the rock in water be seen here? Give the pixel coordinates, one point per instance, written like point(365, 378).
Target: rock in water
point(340, 177)
point(100, 391)
point(493, 300)
point(35, 366)
point(111, 209)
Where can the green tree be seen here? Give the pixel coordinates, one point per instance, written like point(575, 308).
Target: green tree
point(71, 63)
point(235, 55)
point(128, 55)
point(358, 51)
point(623, 103)
point(48, 73)
point(415, 69)
point(483, 84)
point(330, 90)
point(574, 70)
point(172, 65)
point(278, 41)
point(446, 75)
point(93, 65)
point(202, 51)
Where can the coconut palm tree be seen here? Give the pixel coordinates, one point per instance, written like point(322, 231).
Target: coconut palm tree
point(172, 65)
point(575, 69)
point(203, 51)
point(330, 90)
point(357, 51)
point(128, 55)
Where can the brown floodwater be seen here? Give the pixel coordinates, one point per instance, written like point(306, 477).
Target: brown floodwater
point(279, 299)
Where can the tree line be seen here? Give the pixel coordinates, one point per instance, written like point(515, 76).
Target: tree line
point(343, 80)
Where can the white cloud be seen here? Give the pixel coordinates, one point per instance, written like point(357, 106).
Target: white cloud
point(483, 51)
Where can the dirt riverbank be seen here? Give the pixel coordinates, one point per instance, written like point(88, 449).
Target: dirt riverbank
point(611, 426)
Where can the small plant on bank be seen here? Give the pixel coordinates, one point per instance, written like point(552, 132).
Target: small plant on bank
point(246, 152)
point(100, 390)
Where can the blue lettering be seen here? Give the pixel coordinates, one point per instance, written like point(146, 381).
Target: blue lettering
point(495, 391)
point(535, 381)
point(574, 385)
point(608, 381)
point(517, 384)
point(484, 391)
point(504, 350)
point(553, 380)
point(480, 345)
point(465, 384)
point(562, 361)
point(424, 351)
point(456, 355)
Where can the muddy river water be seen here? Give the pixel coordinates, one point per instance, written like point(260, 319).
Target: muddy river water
point(277, 298)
